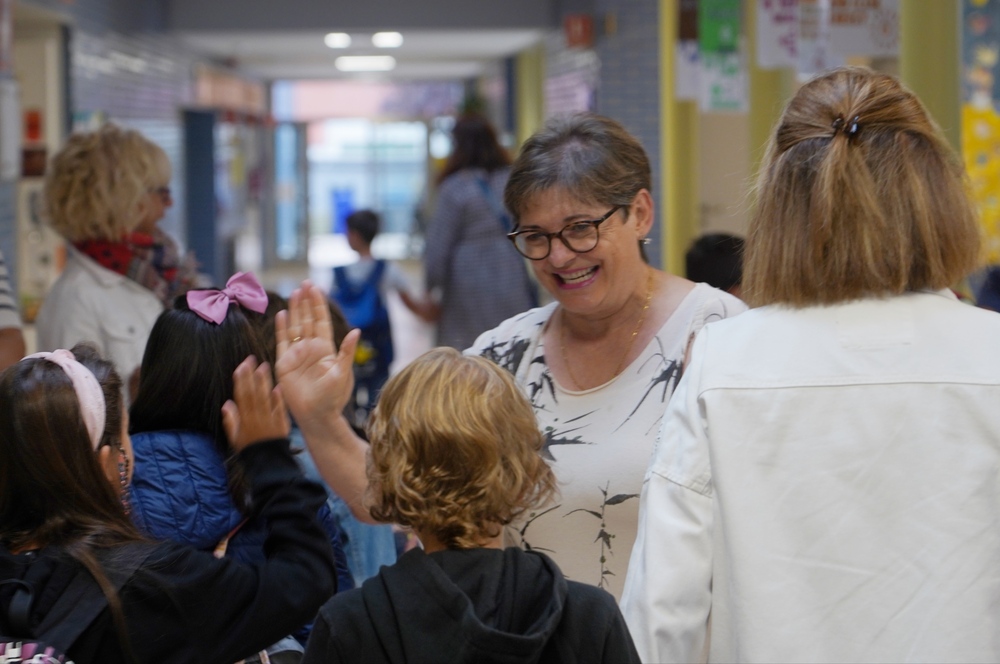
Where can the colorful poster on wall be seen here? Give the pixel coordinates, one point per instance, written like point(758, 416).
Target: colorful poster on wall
point(980, 117)
point(777, 33)
point(687, 63)
point(864, 27)
point(814, 53)
point(722, 81)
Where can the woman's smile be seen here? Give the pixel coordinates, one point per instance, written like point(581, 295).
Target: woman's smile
point(579, 278)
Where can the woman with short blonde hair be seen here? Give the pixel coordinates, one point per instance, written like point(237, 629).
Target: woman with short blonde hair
point(825, 485)
point(98, 185)
point(105, 192)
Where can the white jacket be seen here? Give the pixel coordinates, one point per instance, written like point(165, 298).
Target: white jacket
point(91, 303)
point(827, 488)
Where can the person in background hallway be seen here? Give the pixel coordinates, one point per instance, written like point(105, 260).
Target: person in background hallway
point(455, 456)
point(361, 291)
point(717, 260)
point(988, 294)
point(479, 278)
point(11, 339)
point(104, 193)
point(826, 483)
point(65, 460)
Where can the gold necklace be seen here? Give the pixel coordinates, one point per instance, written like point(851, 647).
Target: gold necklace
point(628, 348)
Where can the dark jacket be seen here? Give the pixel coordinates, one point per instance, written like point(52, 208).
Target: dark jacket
point(478, 605)
point(185, 606)
point(180, 493)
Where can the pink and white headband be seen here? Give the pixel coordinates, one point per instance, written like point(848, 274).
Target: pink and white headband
point(88, 391)
point(242, 288)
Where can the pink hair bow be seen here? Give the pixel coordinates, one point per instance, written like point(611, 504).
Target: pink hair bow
point(242, 288)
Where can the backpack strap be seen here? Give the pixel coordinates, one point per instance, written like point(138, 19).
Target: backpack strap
point(82, 601)
point(19, 609)
point(498, 209)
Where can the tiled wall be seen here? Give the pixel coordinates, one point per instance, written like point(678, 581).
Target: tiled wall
point(623, 70)
point(629, 88)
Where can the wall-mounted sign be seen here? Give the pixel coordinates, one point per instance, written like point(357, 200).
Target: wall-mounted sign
point(777, 33)
point(722, 81)
point(579, 30)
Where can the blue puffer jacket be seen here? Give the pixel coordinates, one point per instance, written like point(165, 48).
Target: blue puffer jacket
point(180, 492)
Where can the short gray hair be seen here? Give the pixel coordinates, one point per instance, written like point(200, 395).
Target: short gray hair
point(590, 156)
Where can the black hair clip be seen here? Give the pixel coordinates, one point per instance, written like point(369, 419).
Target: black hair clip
point(853, 128)
point(837, 124)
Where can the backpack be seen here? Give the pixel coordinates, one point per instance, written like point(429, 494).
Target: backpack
point(361, 303)
point(71, 615)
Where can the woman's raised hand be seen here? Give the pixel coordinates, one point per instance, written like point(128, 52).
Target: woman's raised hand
point(316, 379)
point(256, 412)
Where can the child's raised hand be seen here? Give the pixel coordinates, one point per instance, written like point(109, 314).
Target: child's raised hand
point(316, 379)
point(256, 412)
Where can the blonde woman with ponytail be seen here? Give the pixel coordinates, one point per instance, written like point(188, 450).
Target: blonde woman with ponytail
point(826, 482)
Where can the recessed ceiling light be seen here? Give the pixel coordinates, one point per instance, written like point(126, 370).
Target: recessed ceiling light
point(387, 39)
point(365, 63)
point(337, 40)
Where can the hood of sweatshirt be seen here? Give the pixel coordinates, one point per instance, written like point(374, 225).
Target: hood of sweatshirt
point(466, 605)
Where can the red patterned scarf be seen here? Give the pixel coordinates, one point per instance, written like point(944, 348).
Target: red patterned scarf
point(152, 261)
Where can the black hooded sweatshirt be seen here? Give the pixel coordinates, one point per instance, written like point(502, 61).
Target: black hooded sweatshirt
point(476, 605)
point(184, 606)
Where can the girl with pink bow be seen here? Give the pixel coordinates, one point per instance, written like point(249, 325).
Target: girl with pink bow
point(189, 486)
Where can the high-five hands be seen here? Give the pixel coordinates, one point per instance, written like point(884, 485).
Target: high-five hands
point(316, 379)
point(256, 412)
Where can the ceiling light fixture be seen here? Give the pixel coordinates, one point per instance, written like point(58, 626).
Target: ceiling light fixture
point(337, 40)
point(365, 63)
point(387, 39)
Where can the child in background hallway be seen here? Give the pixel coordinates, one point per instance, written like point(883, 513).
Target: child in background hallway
point(455, 455)
point(717, 260)
point(360, 290)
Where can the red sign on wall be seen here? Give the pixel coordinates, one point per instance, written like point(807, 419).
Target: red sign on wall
point(579, 29)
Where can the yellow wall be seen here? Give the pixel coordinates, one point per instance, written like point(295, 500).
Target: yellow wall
point(679, 204)
point(930, 59)
point(530, 95)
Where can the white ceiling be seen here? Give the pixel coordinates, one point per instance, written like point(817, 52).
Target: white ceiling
point(424, 55)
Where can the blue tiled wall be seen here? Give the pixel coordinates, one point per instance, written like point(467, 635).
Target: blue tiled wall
point(629, 89)
point(624, 66)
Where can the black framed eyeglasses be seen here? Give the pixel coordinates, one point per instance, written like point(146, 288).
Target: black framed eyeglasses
point(578, 236)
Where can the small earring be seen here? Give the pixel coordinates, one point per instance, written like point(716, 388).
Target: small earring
point(645, 241)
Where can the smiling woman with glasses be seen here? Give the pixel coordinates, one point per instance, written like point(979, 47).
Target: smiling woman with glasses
point(598, 364)
point(602, 360)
